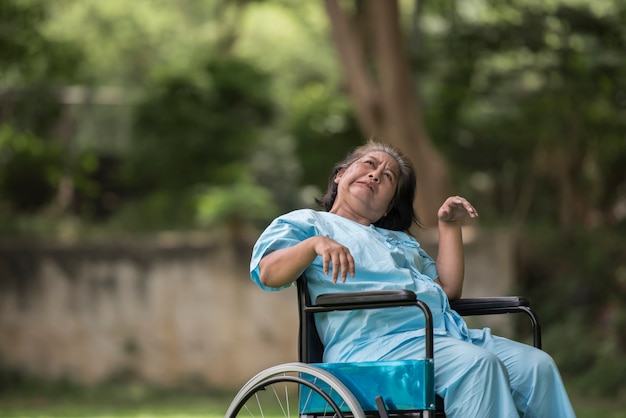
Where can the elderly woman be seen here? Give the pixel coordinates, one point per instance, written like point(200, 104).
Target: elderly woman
point(360, 242)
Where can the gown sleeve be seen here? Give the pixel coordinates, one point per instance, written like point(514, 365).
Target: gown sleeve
point(285, 231)
point(428, 265)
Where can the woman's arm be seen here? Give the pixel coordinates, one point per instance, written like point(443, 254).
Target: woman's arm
point(284, 266)
point(450, 257)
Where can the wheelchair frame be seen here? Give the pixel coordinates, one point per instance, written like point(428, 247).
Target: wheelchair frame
point(344, 395)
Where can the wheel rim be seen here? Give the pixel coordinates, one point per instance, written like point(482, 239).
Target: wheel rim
point(289, 389)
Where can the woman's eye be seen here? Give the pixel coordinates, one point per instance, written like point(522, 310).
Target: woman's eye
point(369, 162)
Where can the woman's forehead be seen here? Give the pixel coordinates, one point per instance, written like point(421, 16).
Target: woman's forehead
point(382, 156)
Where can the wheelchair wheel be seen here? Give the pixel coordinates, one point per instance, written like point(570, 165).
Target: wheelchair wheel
point(294, 390)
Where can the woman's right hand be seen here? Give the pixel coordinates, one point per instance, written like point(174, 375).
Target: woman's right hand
point(336, 258)
point(283, 266)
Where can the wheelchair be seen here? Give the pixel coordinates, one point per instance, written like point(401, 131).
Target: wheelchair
point(312, 389)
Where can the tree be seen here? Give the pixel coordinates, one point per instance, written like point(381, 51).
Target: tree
point(195, 131)
point(382, 88)
point(527, 101)
point(530, 98)
point(32, 66)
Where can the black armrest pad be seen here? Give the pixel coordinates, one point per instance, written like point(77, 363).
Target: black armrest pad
point(469, 306)
point(488, 305)
point(351, 298)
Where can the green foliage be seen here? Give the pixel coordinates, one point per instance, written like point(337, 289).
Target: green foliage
point(526, 93)
point(26, 53)
point(326, 130)
point(34, 109)
point(19, 35)
point(235, 204)
point(31, 68)
point(131, 43)
point(526, 100)
point(155, 211)
point(577, 282)
point(317, 126)
point(29, 169)
point(196, 130)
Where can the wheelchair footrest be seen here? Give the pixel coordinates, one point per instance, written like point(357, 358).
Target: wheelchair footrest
point(403, 385)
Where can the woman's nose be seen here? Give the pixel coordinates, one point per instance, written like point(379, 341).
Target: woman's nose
point(374, 177)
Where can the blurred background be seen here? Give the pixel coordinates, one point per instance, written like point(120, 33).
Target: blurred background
point(144, 146)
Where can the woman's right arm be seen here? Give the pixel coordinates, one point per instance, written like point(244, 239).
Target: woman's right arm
point(284, 266)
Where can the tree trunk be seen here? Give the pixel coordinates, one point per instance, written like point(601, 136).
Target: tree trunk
point(386, 105)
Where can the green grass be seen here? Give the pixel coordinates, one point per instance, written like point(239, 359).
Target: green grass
point(136, 401)
point(110, 401)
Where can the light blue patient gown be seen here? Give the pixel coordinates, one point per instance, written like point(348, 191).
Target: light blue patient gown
point(477, 374)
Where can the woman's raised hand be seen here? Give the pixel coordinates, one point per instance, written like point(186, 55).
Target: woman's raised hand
point(335, 257)
point(455, 209)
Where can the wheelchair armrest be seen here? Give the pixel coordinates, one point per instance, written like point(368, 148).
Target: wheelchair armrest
point(465, 307)
point(499, 305)
point(489, 305)
point(469, 306)
point(374, 297)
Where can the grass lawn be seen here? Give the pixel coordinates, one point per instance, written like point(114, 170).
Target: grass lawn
point(123, 401)
point(134, 401)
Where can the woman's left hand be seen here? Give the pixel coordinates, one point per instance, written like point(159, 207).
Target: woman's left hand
point(455, 209)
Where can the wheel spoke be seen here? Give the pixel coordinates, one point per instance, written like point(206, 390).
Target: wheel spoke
point(303, 406)
point(287, 400)
point(280, 403)
point(249, 411)
point(258, 402)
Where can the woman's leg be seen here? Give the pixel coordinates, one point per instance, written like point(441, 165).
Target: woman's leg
point(471, 380)
point(536, 385)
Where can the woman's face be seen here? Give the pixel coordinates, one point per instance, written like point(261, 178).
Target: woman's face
point(366, 187)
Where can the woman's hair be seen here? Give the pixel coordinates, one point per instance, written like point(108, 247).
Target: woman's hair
point(402, 214)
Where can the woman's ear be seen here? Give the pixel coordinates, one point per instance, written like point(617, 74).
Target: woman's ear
point(339, 175)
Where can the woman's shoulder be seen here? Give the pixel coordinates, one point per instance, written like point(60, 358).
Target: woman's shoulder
point(325, 223)
point(300, 215)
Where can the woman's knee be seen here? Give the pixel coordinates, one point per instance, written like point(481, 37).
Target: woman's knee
point(488, 361)
point(475, 361)
point(535, 369)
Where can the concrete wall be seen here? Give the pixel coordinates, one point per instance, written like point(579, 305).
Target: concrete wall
point(166, 311)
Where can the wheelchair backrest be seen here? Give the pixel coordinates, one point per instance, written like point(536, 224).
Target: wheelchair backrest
point(310, 347)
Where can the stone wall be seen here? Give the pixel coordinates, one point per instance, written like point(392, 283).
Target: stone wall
point(166, 311)
point(163, 312)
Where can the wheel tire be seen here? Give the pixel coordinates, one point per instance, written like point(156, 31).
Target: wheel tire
point(283, 381)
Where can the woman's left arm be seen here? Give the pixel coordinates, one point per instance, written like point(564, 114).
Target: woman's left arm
point(450, 257)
